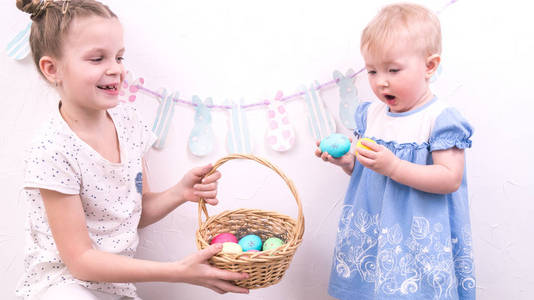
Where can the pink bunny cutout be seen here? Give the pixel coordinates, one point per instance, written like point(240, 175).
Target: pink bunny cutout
point(130, 88)
point(280, 132)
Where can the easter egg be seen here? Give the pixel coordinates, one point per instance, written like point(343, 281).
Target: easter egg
point(250, 241)
point(335, 144)
point(223, 237)
point(360, 145)
point(229, 247)
point(272, 243)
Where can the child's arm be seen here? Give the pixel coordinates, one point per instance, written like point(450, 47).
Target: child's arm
point(190, 188)
point(442, 177)
point(67, 223)
point(346, 162)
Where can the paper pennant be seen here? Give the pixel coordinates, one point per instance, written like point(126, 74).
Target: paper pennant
point(201, 139)
point(280, 132)
point(238, 138)
point(164, 118)
point(19, 47)
point(130, 87)
point(320, 120)
point(348, 95)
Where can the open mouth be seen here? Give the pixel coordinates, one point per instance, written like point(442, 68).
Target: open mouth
point(389, 97)
point(110, 87)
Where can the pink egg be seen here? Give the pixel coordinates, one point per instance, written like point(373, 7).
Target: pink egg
point(223, 238)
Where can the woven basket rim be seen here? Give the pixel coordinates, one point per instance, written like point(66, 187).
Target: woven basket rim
point(299, 228)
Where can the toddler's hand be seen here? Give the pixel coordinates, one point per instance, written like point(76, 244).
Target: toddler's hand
point(346, 162)
point(379, 159)
point(194, 185)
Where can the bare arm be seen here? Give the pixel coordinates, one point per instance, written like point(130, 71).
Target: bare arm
point(442, 177)
point(67, 222)
point(190, 188)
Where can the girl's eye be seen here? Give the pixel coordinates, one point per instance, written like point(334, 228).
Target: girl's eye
point(371, 72)
point(120, 59)
point(96, 59)
point(394, 70)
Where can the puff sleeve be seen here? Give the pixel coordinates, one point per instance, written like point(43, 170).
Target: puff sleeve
point(450, 130)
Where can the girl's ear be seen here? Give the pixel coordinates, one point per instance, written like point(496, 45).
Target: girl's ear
point(432, 64)
point(49, 68)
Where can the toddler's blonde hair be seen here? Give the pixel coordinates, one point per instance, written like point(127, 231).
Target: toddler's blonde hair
point(403, 20)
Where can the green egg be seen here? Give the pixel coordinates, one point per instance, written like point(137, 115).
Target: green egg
point(272, 243)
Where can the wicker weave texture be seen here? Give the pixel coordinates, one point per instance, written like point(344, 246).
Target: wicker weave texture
point(265, 268)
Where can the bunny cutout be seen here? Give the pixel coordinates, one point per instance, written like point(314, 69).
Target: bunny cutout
point(348, 95)
point(238, 138)
point(320, 121)
point(280, 132)
point(19, 47)
point(201, 139)
point(164, 117)
point(130, 87)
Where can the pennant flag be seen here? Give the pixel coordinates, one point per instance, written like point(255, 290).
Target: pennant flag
point(19, 47)
point(201, 139)
point(164, 118)
point(320, 120)
point(280, 132)
point(238, 139)
point(130, 87)
point(348, 95)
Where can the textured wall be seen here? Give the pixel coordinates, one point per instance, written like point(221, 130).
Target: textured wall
point(246, 49)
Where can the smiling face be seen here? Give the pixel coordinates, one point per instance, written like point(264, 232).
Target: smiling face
point(90, 69)
point(399, 74)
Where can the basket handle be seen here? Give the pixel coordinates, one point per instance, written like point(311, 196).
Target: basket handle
point(299, 229)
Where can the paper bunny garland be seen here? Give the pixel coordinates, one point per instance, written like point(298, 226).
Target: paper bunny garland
point(201, 139)
point(348, 95)
point(280, 132)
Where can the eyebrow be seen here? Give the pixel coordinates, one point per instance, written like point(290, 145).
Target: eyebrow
point(104, 50)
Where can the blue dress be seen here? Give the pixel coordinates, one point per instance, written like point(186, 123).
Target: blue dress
point(396, 242)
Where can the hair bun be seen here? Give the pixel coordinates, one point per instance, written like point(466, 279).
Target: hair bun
point(33, 7)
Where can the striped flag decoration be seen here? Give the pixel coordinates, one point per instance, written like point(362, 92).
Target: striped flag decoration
point(238, 138)
point(320, 121)
point(164, 118)
point(19, 47)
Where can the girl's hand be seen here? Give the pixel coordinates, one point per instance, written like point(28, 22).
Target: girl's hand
point(196, 270)
point(346, 162)
point(194, 185)
point(379, 159)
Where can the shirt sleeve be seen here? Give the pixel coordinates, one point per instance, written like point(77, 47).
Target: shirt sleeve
point(450, 130)
point(51, 169)
point(361, 118)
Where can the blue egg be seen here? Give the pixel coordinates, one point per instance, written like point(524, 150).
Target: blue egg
point(335, 144)
point(250, 242)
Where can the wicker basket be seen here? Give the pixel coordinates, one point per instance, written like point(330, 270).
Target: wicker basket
point(265, 268)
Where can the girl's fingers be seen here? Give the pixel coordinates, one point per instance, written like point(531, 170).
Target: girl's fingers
point(212, 177)
point(205, 187)
point(229, 287)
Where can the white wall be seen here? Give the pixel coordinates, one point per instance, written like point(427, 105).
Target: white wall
point(252, 49)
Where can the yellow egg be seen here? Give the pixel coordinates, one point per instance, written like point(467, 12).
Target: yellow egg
point(229, 247)
point(360, 145)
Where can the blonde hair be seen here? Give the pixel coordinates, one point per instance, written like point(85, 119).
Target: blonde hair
point(51, 22)
point(403, 20)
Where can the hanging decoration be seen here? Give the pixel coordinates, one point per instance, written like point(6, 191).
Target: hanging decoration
point(201, 139)
point(320, 121)
point(280, 132)
point(348, 95)
point(163, 118)
point(19, 47)
point(238, 138)
point(130, 87)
